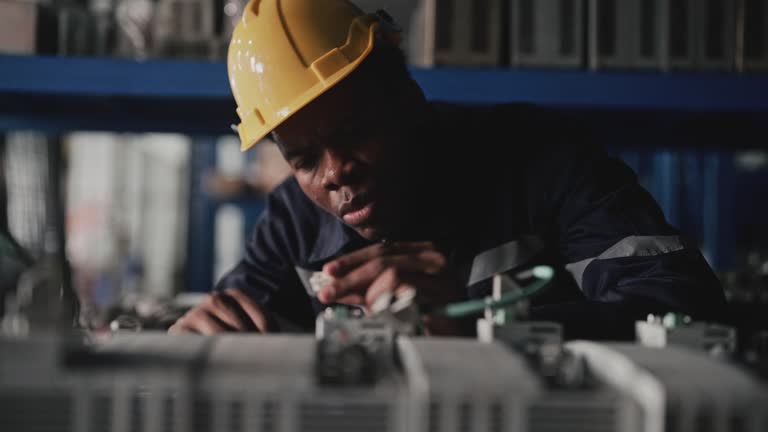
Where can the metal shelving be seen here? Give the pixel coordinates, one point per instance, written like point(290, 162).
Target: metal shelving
point(623, 108)
point(56, 94)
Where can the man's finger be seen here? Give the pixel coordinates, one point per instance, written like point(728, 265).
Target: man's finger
point(384, 286)
point(391, 284)
point(343, 265)
point(359, 280)
point(206, 324)
point(250, 307)
point(179, 328)
point(237, 309)
point(352, 299)
point(226, 312)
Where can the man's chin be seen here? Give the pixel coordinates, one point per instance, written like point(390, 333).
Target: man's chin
point(370, 233)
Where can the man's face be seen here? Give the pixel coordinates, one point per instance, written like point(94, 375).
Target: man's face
point(347, 151)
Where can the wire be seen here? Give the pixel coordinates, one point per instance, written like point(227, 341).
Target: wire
point(543, 274)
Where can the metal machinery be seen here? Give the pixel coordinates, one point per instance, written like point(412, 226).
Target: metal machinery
point(358, 373)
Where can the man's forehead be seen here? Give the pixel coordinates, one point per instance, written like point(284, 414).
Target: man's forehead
point(322, 117)
point(307, 133)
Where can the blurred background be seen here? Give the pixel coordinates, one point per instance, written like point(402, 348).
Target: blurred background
point(119, 169)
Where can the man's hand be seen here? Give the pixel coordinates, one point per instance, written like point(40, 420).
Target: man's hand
point(229, 310)
point(364, 276)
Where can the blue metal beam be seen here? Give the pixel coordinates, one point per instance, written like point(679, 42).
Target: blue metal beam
point(650, 91)
point(102, 77)
point(109, 77)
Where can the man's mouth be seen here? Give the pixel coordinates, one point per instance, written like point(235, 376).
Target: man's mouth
point(357, 211)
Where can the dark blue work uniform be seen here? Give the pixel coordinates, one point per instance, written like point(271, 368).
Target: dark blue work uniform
point(533, 190)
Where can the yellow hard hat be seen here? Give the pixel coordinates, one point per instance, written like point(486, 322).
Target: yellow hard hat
point(285, 53)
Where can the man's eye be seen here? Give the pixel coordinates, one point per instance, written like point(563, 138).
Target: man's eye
point(304, 162)
point(352, 132)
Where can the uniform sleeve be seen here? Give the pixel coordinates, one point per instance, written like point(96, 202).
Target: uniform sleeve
point(614, 238)
point(266, 273)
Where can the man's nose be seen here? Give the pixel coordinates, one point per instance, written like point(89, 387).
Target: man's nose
point(338, 170)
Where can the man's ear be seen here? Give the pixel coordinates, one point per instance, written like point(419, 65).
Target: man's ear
point(273, 136)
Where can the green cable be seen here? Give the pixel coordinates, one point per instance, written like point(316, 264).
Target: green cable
point(471, 307)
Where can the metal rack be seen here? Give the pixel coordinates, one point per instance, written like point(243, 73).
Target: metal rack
point(636, 109)
point(93, 93)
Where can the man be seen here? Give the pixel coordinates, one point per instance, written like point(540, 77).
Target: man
point(391, 192)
